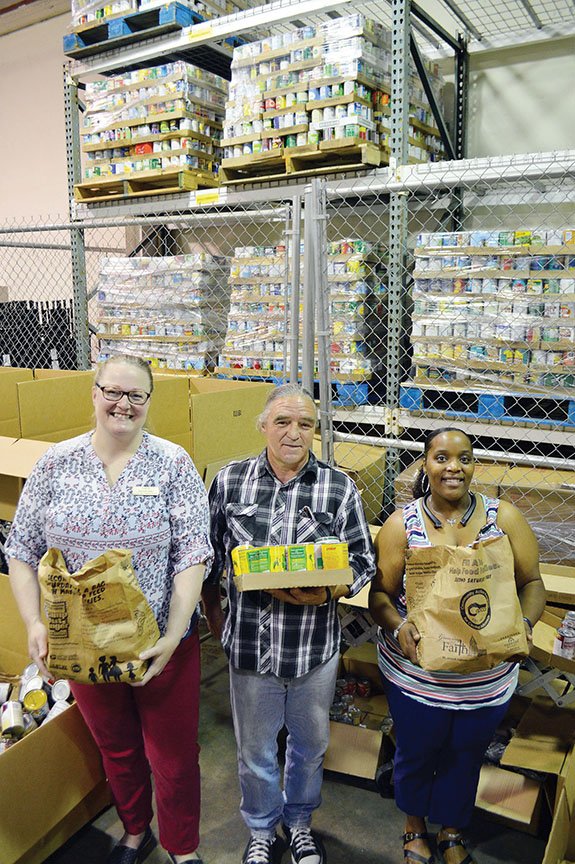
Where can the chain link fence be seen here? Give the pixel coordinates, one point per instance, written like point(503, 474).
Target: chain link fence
point(408, 300)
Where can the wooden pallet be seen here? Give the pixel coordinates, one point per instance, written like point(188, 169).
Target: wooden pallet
point(324, 158)
point(116, 32)
point(162, 182)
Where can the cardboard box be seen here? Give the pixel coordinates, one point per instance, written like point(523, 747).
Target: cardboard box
point(56, 408)
point(559, 583)
point(359, 750)
point(353, 750)
point(543, 738)
point(223, 419)
point(366, 467)
point(9, 416)
point(361, 662)
point(293, 579)
point(51, 782)
point(17, 458)
point(560, 847)
point(543, 638)
point(511, 798)
point(542, 494)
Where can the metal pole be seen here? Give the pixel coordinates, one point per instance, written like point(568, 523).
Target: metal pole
point(295, 250)
point(78, 251)
point(307, 376)
point(511, 458)
point(287, 296)
point(322, 319)
point(397, 230)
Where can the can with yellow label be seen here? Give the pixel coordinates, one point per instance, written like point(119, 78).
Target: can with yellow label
point(335, 556)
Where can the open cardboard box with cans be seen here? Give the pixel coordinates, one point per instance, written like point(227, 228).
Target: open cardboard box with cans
point(359, 750)
point(51, 781)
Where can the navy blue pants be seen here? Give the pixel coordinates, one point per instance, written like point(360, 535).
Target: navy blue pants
point(438, 757)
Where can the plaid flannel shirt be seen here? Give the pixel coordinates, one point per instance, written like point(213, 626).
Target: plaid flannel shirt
point(248, 504)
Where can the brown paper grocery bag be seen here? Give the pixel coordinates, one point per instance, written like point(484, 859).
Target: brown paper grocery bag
point(98, 619)
point(463, 600)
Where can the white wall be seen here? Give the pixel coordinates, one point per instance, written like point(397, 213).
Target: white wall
point(32, 131)
point(522, 100)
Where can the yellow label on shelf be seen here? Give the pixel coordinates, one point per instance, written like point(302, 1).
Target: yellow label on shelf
point(207, 196)
point(199, 31)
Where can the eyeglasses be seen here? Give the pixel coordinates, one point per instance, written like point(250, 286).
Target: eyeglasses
point(135, 397)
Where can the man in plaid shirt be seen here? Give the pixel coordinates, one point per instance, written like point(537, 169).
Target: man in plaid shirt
point(283, 644)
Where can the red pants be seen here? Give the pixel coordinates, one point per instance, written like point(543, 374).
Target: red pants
point(155, 726)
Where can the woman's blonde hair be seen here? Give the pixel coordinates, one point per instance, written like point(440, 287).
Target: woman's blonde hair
point(138, 362)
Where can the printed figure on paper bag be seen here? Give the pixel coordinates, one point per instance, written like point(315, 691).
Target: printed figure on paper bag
point(456, 595)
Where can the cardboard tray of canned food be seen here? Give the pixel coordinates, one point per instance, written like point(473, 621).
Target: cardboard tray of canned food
point(302, 565)
point(547, 642)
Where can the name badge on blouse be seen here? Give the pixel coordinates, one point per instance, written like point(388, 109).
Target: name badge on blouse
point(145, 490)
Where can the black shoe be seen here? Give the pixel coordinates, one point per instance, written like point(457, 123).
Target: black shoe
point(125, 855)
point(263, 850)
point(305, 847)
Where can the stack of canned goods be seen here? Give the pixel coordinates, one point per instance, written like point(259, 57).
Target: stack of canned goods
point(564, 643)
point(28, 703)
point(345, 709)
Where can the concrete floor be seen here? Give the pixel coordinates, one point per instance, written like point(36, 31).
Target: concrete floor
point(357, 824)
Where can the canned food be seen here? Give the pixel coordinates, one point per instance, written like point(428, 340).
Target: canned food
point(363, 687)
point(61, 690)
point(36, 704)
point(12, 720)
point(57, 708)
point(4, 691)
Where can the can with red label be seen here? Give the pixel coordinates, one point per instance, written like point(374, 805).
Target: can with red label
point(363, 687)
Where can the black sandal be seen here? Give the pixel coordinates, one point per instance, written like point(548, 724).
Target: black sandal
point(451, 841)
point(415, 856)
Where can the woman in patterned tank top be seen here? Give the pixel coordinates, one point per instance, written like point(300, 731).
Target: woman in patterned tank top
point(444, 721)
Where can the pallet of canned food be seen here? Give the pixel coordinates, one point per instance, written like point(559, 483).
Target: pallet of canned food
point(97, 27)
point(170, 310)
point(256, 343)
point(317, 99)
point(151, 131)
point(495, 309)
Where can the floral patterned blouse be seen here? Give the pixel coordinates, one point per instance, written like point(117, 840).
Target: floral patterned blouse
point(158, 508)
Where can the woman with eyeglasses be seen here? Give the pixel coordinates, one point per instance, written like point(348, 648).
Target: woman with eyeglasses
point(118, 487)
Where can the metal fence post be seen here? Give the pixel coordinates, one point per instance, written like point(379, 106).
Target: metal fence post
point(397, 231)
point(77, 240)
point(307, 376)
point(322, 320)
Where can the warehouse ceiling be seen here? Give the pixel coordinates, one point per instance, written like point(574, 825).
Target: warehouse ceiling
point(17, 14)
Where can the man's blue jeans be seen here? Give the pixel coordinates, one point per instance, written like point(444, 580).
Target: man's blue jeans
point(261, 706)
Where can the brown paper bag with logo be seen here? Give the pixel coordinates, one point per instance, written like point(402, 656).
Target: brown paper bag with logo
point(98, 619)
point(463, 600)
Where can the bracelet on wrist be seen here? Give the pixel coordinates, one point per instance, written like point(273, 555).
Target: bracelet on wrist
point(395, 633)
point(528, 621)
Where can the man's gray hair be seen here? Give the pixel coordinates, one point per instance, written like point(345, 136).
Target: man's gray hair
point(284, 391)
